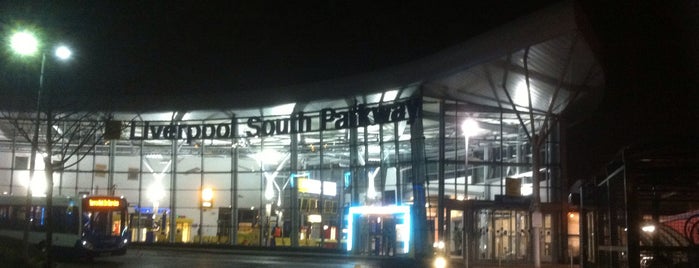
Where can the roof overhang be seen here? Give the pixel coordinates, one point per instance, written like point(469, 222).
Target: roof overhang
point(560, 58)
point(477, 71)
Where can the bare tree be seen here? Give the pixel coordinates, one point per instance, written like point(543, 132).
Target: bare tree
point(63, 138)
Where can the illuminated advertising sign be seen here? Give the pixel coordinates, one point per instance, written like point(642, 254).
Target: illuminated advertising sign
point(327, 119)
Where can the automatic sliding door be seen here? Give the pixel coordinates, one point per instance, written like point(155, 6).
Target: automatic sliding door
point(503, 235)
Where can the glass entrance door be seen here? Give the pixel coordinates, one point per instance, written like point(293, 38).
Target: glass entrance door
point(503, 235)
point(547, 254)
point(456, 232)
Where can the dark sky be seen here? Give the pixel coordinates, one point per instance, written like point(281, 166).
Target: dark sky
point(149, 47)
point(142, 49)
point(650, 53)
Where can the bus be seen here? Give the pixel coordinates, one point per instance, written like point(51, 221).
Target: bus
point(91, 226)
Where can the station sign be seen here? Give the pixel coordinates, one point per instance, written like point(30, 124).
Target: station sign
point(326, 119)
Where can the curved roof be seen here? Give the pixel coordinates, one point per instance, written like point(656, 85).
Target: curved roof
point(560, 56)
point(561, 67)
point(488, 71)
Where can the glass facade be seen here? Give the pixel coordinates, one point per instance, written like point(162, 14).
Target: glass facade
point(496, 149)
point(445, 156)
point(287, 175)
point(441, 152)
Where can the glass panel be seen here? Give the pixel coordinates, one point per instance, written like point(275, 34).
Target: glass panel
point(485, 234)
point(503, 235)
point(103, 223)
point(521, 231)
point(503, 225)
point(456, 234)
point(548, 238)
point(126, 162)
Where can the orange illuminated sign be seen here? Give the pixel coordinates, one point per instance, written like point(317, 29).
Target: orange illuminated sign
point(104, 203)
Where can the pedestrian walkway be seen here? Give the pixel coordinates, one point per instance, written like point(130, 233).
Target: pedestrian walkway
point(548, 265)
point(460, 263)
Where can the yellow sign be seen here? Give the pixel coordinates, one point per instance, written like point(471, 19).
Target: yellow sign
point(312, 186)
point(103, 203)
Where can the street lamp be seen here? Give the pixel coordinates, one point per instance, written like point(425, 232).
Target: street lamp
point(469, 128)
point(25, 43)
point(63, 52)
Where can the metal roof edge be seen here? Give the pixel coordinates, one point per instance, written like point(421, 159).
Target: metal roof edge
point(548, 23)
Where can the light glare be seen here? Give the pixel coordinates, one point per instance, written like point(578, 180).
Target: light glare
point(24, 43)
point(207, 194)
point(648, 228)
point(470, 127)
point(63, 52)
point(440, 262)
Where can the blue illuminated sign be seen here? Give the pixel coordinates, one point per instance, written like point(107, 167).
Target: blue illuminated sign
point(401, 212)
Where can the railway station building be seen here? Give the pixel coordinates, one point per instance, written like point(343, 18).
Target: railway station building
point(463, 151)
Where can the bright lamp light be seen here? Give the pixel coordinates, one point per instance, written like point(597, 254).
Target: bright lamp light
point(470, 127)
point(24, 43)
point(63, 52)
point(207, 194)
point(648, 228)
point(207, 197)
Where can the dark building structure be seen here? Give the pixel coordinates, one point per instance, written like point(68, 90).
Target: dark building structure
point(644, 211)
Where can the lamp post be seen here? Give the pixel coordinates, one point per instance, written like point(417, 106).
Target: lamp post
point(469, 128)
point(25, 43)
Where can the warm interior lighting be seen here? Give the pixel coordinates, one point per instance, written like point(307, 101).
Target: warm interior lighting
point(315, 218)
point(207, 197)
point(312, 186)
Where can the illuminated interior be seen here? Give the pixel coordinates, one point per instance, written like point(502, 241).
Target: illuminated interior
point(400, 213)
point(296, 173)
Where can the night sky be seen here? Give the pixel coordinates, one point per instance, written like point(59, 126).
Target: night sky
point(143, 49)
point(148, 47)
